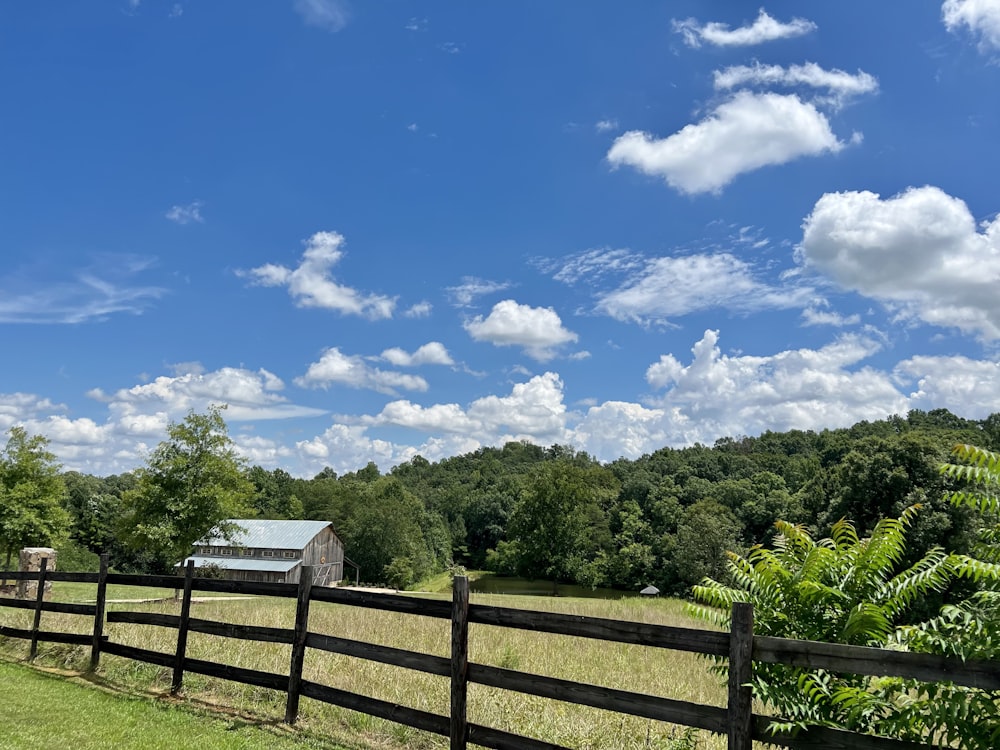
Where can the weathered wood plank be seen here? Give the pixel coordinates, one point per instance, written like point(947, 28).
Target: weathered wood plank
point(248, 588)
point(397, 657)
point(45, 636)
point(410, 717)
point(237, 674)
point(823, 738)
point(740, 676)
point(182, 630)
point(160, 582)
point(837, 657)
point(140, 654)
point(500, 740)
point(39, 601)
point(389, 602)
point(620, 631)
point(459, 661)
point(299, 635)
point(97, 637)
point(712, 718)
point(65, 608)
point(208, 627)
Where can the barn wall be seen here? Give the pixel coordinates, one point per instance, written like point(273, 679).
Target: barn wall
point(326, 554)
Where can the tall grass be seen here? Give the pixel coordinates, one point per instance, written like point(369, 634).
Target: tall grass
point(634, 668)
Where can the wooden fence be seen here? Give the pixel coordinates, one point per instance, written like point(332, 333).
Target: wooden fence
point(739, 646)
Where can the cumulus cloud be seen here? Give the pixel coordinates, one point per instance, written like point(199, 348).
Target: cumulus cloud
point(336, 368)
point(920, 253)
point(311, 285)
point(748, 131)
point(716, 395)
point(328, 15)
point(186, 214)
point(471, 288)
point(952, 383)
point(537, 329)
point(419, 310)
point(432, 353)
point(674, 286)
point(763, 29)
point(981, 18)
point(533, 410)
point(841, 85)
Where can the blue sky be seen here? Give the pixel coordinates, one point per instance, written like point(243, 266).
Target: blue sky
point(378, 230)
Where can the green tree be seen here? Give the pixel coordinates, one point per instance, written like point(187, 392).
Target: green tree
point(31, 495)
point(193, 481)
point(558, 523)
point(849, 590)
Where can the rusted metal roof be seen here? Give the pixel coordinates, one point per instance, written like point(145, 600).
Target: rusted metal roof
point(269, 534)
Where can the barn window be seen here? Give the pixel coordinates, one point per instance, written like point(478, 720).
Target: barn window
point(268, 553)
point(288, 553)
point(226, 550)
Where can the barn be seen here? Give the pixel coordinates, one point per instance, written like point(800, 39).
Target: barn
point(274, 552)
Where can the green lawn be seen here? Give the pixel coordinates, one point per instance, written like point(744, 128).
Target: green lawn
point(42, 710)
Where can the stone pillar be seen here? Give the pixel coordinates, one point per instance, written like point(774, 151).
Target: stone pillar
point(30, 561)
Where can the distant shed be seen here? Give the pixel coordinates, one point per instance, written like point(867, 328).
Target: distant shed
point(274, 552)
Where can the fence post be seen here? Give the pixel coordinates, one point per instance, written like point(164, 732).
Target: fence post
point(459, 660)
point(299, 636)
point(102, 590)
point(182, 630)
point(740, 676)
point(39, 596)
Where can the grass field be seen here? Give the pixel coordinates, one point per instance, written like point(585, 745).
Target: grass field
point(35, 706)
point(635, 668)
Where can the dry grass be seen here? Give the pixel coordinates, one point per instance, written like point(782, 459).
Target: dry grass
point(634, 668)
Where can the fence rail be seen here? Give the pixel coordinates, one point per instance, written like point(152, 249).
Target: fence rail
point(739, 646)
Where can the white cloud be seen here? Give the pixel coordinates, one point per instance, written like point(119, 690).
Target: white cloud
point(744, 133)
point(419, 310)
point(959, 384)
point(533, 410)
point(329, 15)
point(980, 17)
point(818, 314)
point(592, 265)
point(763, 29)
point(89, 294)
point(919, 252)
point(603, 126)
point(841, 85)
point(717, 395)
point(471, 287)
point(311, 285)
point(247, 394)
point(335, 368)
point(432, 353)
point(675, 286)
point(538, 329)
point(186, 214)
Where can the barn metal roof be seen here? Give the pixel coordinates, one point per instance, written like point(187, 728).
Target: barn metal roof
point(243, 563)
point(274, 534)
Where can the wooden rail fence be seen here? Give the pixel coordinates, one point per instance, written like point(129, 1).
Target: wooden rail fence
point(740, 646)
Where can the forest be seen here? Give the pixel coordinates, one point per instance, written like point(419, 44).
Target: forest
point(667, 518)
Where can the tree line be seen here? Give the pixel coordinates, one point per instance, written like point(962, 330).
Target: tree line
point(667, 518)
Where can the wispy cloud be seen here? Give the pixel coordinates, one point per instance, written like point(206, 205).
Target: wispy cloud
point(186, 214)
point(763, 29)
point(471, 287)
point(93, 293)
point(328, 15)
point(841, 85)
point(603, 126)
